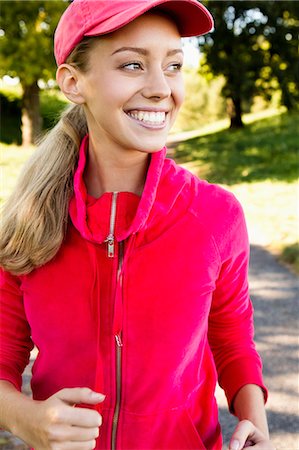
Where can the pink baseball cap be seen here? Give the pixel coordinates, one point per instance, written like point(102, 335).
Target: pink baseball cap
point(97, 17)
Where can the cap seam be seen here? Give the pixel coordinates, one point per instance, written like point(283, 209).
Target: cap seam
point(87, 16)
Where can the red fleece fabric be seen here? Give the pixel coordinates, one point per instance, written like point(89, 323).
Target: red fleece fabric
point(178, 301)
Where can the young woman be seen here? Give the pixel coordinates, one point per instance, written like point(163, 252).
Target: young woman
point(128, 273)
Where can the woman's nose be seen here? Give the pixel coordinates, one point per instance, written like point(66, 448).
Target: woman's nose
point(156, 85)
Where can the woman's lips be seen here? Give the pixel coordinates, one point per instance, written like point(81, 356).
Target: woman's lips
point(154, 119)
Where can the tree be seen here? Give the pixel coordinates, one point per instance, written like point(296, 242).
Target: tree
point(281, 52)
point(248, 37)
point(26, 52)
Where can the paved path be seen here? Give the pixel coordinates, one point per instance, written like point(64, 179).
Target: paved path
point(275, 296)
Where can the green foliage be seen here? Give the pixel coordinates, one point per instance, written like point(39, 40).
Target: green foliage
point(254, 46)
point(203, 103)
point(290, 255)
point(52, 104)
point(280, 44)
point(26, 39)
point(267, 149)
point(228, 50)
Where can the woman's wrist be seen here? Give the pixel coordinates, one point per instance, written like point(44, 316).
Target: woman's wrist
point(16, 409)
point(249, 405)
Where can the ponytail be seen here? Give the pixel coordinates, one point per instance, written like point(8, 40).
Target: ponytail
point(35, 217)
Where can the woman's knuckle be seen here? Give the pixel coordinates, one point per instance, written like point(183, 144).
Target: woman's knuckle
point(50, 434)
point(54, 435)
point(63, 391)
point(86, 391)
point(246, 422)
point(52, 414)
point(93, 444)
point(55, 446)
point(90, 445)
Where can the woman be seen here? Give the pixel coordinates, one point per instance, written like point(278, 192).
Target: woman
point(127, 272)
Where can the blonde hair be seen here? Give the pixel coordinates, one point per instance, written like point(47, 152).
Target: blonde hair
point(35, 217)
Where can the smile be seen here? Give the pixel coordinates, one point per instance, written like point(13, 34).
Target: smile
point(148, 117)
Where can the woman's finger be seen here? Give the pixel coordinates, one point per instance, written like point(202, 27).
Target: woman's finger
point(65, 433)
point(74, 396)
point(90, 445)
point(80, 417)
point(245, 432)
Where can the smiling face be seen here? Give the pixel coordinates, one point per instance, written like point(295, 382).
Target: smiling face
point(133, 87)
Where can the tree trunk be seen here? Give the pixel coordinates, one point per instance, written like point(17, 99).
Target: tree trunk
point(31, 117)
point(234, 110)
point(287, 98)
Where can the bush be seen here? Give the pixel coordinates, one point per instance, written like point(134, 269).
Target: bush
point(52, 103)
point(10, 123)
point(290, 255)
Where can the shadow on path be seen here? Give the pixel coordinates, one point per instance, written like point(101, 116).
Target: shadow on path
point(274, 292)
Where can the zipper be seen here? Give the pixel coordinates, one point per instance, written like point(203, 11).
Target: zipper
point(110, 238)
point(118, 345)
point(118, 396)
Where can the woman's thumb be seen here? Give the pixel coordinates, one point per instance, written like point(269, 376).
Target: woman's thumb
point(74, 396)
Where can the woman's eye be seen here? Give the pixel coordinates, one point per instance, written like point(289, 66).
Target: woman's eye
point(176, 67)
point(132, 66)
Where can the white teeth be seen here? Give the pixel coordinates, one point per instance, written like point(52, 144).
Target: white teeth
point(152, 117)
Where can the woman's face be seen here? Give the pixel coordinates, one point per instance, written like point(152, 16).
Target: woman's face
point(133, 88)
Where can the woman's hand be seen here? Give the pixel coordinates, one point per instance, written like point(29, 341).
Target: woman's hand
point(247, 435)
point(55, 424)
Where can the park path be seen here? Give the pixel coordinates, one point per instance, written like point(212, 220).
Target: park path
point(274, 292)
point(275, 296)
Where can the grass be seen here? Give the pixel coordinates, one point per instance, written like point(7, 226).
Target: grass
point(12, 159)
point(271, 210)
point(266, 149)
point(259, 164)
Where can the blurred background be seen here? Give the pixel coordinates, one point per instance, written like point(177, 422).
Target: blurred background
point(238, 127)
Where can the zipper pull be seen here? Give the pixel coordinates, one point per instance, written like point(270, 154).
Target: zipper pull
point(118, 340)
point(110, 246)
point(110, 237)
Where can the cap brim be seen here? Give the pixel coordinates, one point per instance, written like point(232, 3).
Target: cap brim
point(192, 18)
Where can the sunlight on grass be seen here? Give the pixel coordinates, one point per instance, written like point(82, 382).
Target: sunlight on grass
point(266, 149)
point(12, 160)
point(271, 210)
point(223, 124)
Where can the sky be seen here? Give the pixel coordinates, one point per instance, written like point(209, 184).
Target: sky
point(191, 53)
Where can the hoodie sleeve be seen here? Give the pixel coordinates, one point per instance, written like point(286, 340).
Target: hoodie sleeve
point(231, 328)
point(15, 340)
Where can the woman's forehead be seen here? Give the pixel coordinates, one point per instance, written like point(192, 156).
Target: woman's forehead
point(146, 28)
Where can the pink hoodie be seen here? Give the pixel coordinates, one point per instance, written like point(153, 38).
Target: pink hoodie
point(147, 302)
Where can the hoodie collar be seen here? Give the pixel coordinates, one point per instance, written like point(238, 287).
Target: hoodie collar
point(80, 210)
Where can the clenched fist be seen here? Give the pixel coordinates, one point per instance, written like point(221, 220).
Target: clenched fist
point(54, 424)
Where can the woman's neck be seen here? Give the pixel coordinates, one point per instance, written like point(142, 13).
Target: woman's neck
point(107, 172)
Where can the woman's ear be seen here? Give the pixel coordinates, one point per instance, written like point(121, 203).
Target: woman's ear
point(67, 79)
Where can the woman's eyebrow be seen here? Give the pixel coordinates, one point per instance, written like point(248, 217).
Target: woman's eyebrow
point(144, 52)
